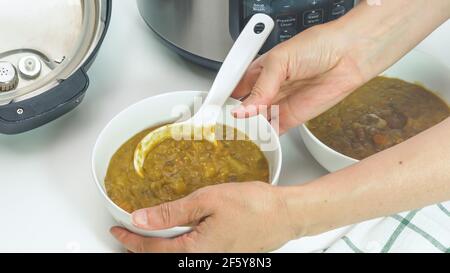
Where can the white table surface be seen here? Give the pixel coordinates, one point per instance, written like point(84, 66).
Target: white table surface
point(48, 200)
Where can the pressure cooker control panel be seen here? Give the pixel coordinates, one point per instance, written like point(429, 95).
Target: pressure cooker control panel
point(293, 16)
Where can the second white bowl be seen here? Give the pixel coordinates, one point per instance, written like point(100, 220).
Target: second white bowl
point(416, 67)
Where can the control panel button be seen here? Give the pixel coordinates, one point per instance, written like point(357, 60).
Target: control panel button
point(287, 21)
point(337, 11)
point(259, 28)
point(314, 3)
point(286, 34)
point(283, 5)
point(260, 6)
point(313, 17)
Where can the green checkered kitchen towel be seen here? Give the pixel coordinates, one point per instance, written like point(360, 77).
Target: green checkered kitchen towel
point(424, 230)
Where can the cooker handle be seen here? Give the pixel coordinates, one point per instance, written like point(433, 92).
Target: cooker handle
point(31, 113)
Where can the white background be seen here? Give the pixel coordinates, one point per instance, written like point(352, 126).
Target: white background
point(48, 200)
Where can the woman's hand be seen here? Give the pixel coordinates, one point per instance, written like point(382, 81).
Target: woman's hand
point(316, 69)
point(305, 76)
point(233, 217)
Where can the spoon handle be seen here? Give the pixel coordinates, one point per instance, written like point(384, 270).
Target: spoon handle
point(243, 52)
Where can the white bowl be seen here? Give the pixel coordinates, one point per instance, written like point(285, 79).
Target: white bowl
point(416, 67)
point(162, 109)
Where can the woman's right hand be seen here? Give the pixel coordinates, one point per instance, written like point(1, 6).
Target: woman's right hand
point(305, 76)
point(316, 69)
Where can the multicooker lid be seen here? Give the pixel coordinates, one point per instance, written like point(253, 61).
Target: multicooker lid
point(44, 42)
point(46, 47)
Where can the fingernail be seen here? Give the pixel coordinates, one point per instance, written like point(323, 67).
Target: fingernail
point(140, 218)
point(115, 232)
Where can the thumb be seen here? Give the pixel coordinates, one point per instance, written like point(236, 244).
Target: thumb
point(184, 211)
point(273, 74)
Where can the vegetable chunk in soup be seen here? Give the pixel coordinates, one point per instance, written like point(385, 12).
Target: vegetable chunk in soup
point(379, 115)
point(174, 169)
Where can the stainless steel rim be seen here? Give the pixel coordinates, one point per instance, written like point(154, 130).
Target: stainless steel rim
point(92, 25)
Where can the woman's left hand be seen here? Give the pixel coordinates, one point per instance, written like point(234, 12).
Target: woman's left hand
point(232, 217)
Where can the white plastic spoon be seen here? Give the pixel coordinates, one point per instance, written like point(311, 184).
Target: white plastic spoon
point(244, 50)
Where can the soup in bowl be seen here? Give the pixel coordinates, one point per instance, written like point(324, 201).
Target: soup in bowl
point(175, 168)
